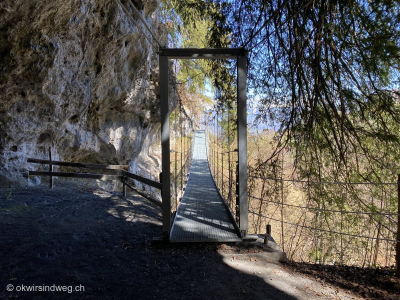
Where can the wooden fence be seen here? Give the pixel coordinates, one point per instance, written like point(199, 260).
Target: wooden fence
point(121, 174)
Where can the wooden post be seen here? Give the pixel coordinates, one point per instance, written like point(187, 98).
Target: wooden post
point(398, 229)
point(50, 169)
point(123, 187)
point(123, 179)
point(267, 233)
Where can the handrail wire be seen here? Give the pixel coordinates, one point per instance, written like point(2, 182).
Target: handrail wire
point(144, 23)
point(327, 210)
point(323, 182)
point(137, 25)
point(324, 230)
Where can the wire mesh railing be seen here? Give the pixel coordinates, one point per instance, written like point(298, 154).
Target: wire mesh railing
point(223, 158)
point(327, 222)
point(180, 153)
point(350, 223)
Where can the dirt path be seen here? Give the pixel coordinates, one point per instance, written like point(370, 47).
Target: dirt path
point(85, 237)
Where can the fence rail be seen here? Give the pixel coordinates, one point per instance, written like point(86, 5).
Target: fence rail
point(122, 175)
point(118, 176)
point(77, 165)
point(103, 177)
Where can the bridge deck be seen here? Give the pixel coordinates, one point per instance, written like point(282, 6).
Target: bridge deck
point(202, 216)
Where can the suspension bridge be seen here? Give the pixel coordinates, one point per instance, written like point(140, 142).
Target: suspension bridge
point(202, 215)
point(199, 169)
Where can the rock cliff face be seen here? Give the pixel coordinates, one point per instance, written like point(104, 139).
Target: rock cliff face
point(77, 76)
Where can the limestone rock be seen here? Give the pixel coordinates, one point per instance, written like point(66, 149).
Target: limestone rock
point(80, 77)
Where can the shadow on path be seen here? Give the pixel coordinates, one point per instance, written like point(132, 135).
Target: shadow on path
point(98, 240)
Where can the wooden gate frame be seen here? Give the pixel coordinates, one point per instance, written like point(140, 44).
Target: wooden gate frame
point(240, 54)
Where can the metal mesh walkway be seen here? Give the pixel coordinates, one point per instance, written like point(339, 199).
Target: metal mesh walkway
point(202, 216)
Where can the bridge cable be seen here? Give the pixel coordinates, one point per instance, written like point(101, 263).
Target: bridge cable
point(215, 142)
point(137, 25)
point(216, 149)
point(175, 162)
point(144, 22)
point(229, 158)
point(222, 150)
point(152, 34)
point(182, 149)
